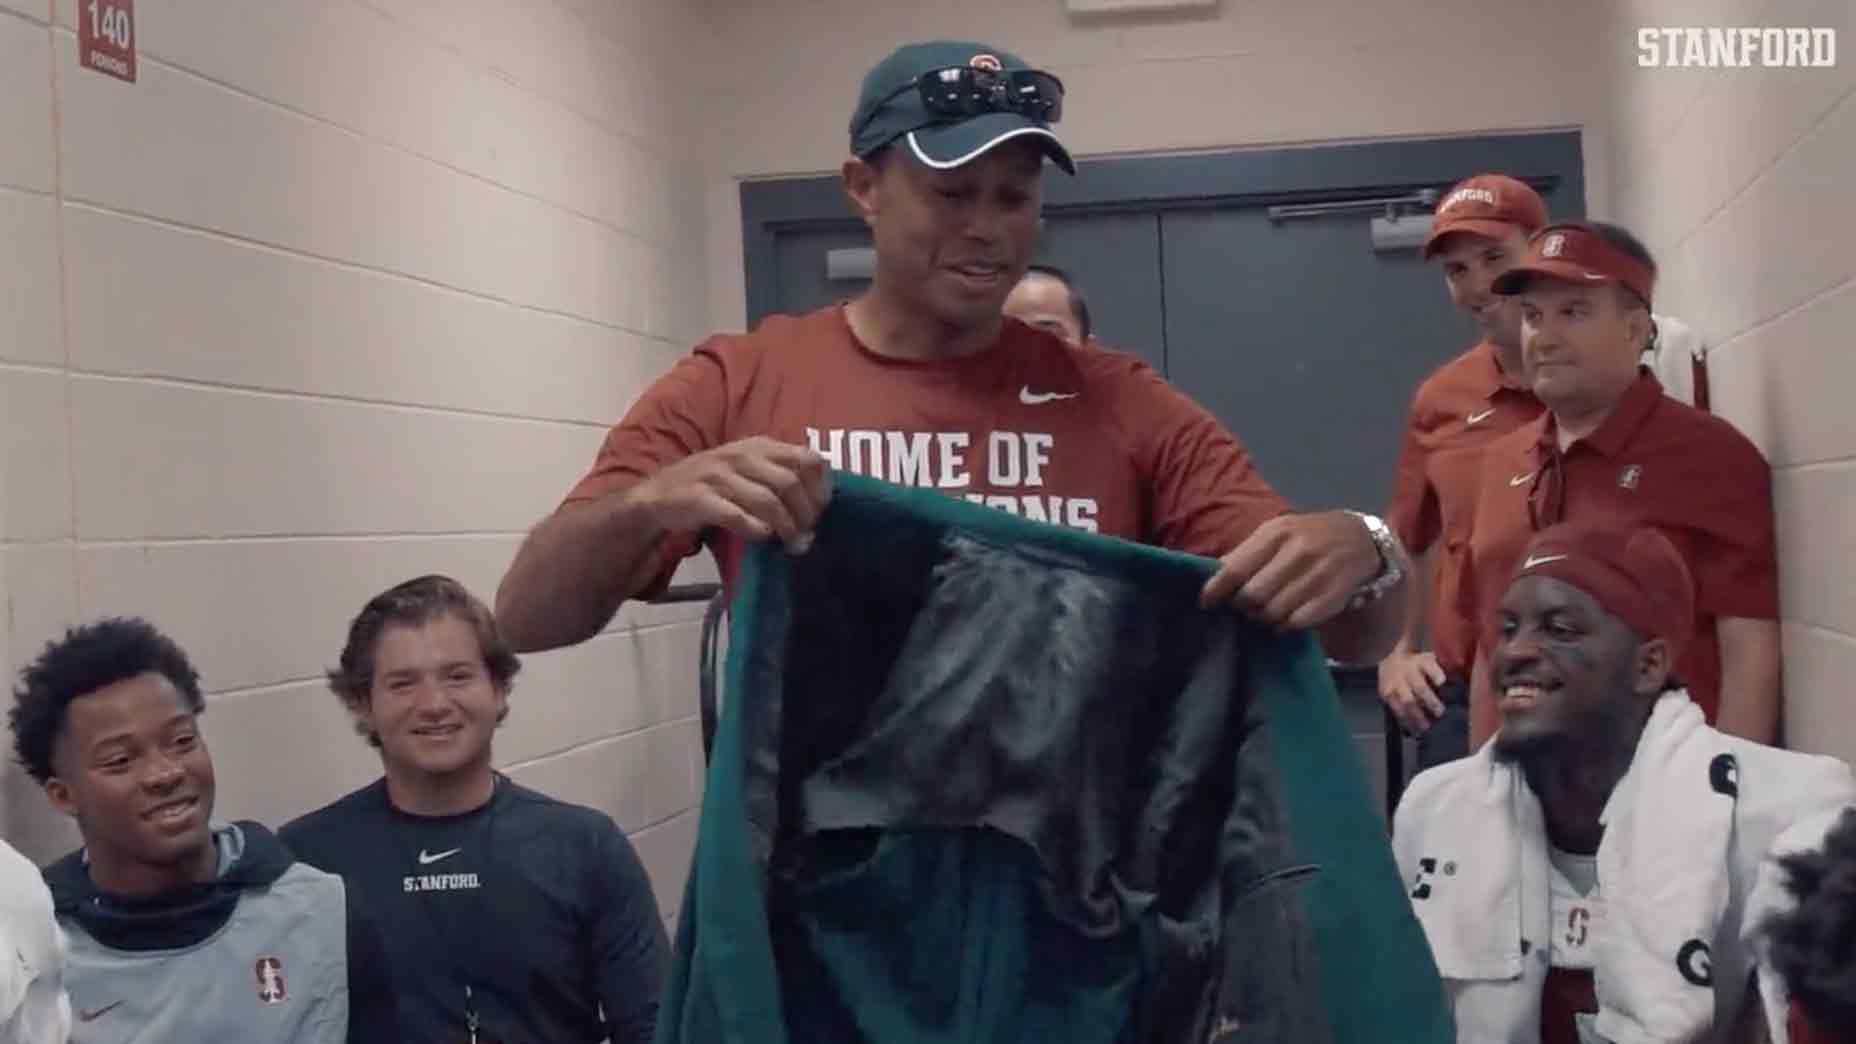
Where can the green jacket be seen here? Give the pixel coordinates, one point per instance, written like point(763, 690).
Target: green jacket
point(979, 779)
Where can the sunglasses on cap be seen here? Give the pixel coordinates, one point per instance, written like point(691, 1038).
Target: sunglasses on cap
point(963, 91)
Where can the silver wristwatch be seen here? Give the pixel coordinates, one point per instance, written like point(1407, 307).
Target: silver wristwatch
point(1391, 561)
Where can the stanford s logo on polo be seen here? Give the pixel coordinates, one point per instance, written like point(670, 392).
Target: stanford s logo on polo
point(1552, 245)
point(987, 62)
point(270, 972)
point(1627, 479)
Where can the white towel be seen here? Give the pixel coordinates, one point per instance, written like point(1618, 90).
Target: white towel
point(1477, 855)
point(1663, 869)
point(1678, 348)
point(1480, 920)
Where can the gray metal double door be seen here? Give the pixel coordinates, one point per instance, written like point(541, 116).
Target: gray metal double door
point(1297, 335)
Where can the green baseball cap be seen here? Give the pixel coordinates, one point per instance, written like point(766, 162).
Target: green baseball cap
point(890, 107)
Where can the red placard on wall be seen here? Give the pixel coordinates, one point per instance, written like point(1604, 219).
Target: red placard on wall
point(106, 37)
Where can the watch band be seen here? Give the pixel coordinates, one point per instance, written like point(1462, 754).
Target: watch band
point(1391, 561)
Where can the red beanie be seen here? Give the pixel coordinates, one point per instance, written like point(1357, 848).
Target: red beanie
point(1636, 574)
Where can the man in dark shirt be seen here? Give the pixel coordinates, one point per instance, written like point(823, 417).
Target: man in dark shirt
point(511, 916)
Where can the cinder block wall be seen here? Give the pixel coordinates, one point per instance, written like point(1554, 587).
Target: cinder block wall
point(335, 294)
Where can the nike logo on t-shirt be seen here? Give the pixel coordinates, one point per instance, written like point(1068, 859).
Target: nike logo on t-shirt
point(1540, 560)
point(1478, 418)
point(426, 859)
point(1031, 398)
point(1518, 479)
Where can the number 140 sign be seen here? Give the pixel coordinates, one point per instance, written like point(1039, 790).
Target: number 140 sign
point(106, 37)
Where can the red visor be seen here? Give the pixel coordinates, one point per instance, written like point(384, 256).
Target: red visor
point(1576, 254)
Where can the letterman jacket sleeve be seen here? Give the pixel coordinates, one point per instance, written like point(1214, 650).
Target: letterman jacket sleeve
point(373, 1016)
point(630, 951)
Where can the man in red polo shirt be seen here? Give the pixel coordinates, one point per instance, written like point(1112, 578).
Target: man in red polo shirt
point(1480, 232)
point(1613, 446)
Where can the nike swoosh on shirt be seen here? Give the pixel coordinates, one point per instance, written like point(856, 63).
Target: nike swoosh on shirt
point(92, 1016)
point(1540, 560)
point(1031, 398)
point(428, 859)
point(1518, 479)
point(1478, 418)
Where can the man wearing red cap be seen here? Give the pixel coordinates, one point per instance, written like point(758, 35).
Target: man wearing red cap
point(922, 381)
point(1480, 231)
point(1612, 446)
point(1588, 874)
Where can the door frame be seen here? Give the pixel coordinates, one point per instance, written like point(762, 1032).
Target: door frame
point(1245, 177)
